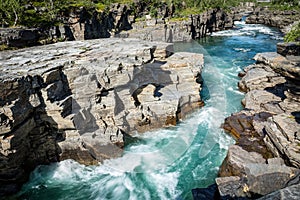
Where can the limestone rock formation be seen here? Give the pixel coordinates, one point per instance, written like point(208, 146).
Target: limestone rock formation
point(196, 27)
point(84, 99)
point(247, 174)
point(236, 161)
point(210, 21)
point(78, 24)
point(275, 18)
point(268, 127)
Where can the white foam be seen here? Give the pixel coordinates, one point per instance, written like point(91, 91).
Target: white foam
point(239, 22)
point(242, 49)
point(166, 184)
point(234, 33)
point(235, 90)
point(249, 30)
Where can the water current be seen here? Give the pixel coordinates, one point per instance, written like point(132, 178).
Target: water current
point(168, 163)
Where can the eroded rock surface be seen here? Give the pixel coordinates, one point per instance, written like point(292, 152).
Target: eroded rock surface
point(197, 26)
point(276, 18)
point(83, 99)
point(268, 127)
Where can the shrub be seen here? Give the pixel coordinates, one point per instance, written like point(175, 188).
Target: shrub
point(294, 34)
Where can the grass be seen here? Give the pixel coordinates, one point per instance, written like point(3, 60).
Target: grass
point(281, 7)
point(178, 19)
point(187, 12)
point(100, 7)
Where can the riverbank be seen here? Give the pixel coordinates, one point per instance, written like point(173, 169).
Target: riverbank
point(265, 158)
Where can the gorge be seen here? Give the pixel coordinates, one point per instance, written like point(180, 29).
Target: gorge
point(125, 118)
point(167, 163)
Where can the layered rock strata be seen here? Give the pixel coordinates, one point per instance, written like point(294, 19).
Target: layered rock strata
point(79, 24)
point(275, 18)
point(120, 21)
point(86, 99)
point(266, 156)
point(197, 26)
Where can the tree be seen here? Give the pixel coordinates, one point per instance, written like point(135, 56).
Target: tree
point(10, 10)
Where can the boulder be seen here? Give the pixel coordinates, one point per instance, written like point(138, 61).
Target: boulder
point(236, 160)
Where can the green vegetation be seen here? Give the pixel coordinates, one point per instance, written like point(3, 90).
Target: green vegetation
point(282, 5)
point(294, 34)
point(32, 13)
point(9, 10)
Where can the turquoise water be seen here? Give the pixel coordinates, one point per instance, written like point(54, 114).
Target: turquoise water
point(168, 163)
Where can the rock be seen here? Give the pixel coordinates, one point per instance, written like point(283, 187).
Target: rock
point(279, 19)
point(82, 99)
point(258, 179)
point(287, 67)
point(282, 133)
point(275, 161)
point(197, 26)
point(248, 131)
point(288, 49)
point(291, 193)
point(18, 37)
point(211, 192)
point(236, 160)
point(259, 77)
point(166, 32)
point(263, 179)
point(262, 101)
point(231, 187)
point(269, 126)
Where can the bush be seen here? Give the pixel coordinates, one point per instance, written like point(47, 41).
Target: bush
point(294, 34)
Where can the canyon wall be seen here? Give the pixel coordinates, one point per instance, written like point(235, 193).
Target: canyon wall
point(275, 18)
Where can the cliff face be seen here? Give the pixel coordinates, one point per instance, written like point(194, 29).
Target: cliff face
point(197, 26)
point(83, 100)
point(79, 24)
point(119, 21)
point(266, 155)
point(211, 21)
point(275, 18)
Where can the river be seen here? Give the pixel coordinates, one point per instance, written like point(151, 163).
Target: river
point(168, 163)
